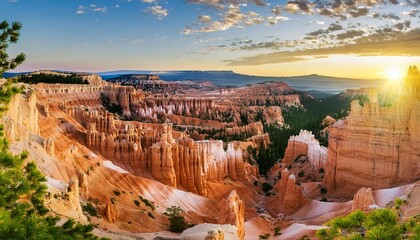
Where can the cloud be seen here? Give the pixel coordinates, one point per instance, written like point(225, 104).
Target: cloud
point(274, 20)
point(318, 22)
point(91, 8)
point(299, 5)
point(100, 9)
point(233, 17)
point(204, 18)
point(411, 13)
point(390, 43)
point(334, 27)
point(349, 34)
point(137, 41)
point(158, 11)
point(148, 1)
point(276, 10)
point(220, 4)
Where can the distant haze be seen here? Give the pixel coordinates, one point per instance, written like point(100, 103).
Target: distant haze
point(317, 85)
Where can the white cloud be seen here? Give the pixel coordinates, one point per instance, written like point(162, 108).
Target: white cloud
point(137, 41)
point(157, 10)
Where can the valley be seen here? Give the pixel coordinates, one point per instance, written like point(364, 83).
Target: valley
point(258, 161)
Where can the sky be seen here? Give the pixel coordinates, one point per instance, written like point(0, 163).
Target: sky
point(344, 38)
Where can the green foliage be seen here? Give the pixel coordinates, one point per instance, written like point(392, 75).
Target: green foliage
point(301, 174)
point(266, 187)
point(150, 215)
point(9, 34)
point(264, 236)
point(378, 224)
point(323, 190)
point(52, 78)
point(90, 209)
point(277, 231)
point(148, 203)
point(110, 107)
point(137, 203)
point(178, 223)
point(397, 203)
point(117, 193)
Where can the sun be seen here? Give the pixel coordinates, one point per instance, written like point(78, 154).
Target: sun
point(394, 74)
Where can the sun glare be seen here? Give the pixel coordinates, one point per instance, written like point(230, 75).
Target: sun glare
point(394, 74)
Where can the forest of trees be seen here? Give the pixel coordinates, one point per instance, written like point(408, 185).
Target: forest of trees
point(51, 78)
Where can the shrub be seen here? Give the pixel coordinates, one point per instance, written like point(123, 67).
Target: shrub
point(379, 224)
point(117, 193)
point(323, 190)
point(150, 215)
point(277, 231)
point(137, 203)
point(264, 236)
point(301, 174)
point(178, 223)
point(148, 203)
point(266, 187)
point(90, 209)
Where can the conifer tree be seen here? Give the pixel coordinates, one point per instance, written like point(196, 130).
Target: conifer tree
point(9, 34)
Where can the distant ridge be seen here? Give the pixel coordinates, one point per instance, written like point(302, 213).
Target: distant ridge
point(318, 85)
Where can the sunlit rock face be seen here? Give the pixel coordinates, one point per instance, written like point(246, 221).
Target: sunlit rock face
point(363, 199)
point(377, 147)
point(22, 116)
point(305, 144)
point(232, 212)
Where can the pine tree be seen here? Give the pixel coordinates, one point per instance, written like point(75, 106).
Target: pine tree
point(9, 34)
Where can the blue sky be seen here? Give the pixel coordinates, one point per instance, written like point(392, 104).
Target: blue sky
point(258, 37)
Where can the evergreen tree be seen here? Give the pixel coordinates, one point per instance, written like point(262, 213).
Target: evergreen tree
point(9, 34)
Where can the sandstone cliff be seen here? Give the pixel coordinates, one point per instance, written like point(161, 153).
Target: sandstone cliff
point(21, 118)
point(375, 146)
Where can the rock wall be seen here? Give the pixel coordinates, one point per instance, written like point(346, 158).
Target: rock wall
point(377, 147)
point(305, 144)
point(232, 212)
point(21, 118)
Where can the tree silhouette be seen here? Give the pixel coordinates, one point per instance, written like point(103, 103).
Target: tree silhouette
point(9, 34)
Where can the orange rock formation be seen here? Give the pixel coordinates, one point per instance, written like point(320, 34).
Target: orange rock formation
point(363, 199)
point(232, 212)
point(376, 146)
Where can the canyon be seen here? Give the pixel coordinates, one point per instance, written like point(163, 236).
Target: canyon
point(134, 150)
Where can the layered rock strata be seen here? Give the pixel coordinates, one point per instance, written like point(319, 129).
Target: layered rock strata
point(375, 146)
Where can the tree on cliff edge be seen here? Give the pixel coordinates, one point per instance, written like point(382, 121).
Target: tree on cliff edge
point(9, 34)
